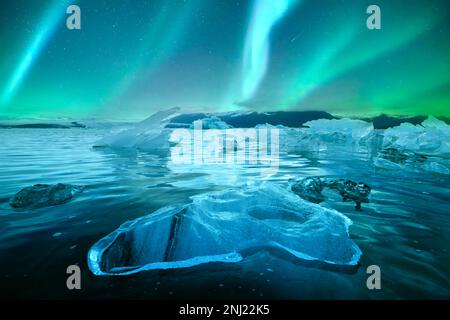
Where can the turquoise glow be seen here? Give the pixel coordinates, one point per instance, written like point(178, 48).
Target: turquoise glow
point(256, 52)
point(45, 31)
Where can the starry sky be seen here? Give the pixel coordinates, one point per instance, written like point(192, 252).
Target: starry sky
point(134, 57)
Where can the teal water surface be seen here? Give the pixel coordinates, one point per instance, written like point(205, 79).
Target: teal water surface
point(404, 229)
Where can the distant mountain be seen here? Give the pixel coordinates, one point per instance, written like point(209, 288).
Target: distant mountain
point(294, 119)
point(251, 119)
point(445, 119)
point(384, 121)
point(42, 126)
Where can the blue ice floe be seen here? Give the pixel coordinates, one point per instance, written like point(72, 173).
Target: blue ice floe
point(223, 227)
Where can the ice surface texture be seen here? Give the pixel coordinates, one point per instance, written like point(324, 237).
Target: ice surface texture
point(44, 195)
point(222, 227)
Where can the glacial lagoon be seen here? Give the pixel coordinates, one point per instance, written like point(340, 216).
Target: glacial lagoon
point(404, 229)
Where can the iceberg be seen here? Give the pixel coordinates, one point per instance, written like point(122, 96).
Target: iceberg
point(340, 130)
point(224, 227)
point(212, 123)
point(324, 134)
point(44, 195)
point(424, 147)
point(430, 138)
point(148, 135)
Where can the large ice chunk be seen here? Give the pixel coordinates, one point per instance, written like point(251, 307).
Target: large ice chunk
point(212, 123)
point(223, 227)
point(148, 135)
point(424, 147)
point(324, 134)
point(340, 130)
point(431, 138)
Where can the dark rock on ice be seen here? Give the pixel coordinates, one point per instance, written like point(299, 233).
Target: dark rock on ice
point(43, 195)
point(224, 227)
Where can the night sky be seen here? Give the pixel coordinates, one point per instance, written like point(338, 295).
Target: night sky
point(134, 57)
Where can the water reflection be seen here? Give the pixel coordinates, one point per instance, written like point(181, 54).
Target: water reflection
point(404, 229)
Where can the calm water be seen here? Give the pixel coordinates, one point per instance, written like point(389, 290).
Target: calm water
point(405, 229)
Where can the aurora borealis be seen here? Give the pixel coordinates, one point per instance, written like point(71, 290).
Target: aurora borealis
point(132, 58)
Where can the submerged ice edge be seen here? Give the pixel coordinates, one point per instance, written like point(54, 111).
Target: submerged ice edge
point(98, 252)
point(98, 249)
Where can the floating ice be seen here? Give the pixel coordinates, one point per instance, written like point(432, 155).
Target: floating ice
point(213, 123)
point(340, 130)
point(424, 147)
point(148, 135)
point(223, 227)
point(391, 158)
point(322, 134)
point(431, 138)
point(44, 195)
